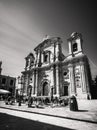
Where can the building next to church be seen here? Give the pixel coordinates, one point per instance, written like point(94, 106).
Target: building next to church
point(49, 73)
point(7, 82)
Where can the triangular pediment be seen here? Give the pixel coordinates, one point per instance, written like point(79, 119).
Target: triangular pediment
point(48, 42)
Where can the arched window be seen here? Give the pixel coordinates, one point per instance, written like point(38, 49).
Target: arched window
point(74, 47)
point(45, 57)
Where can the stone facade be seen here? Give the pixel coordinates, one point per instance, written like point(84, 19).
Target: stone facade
point(50, 73)
point(7, 82)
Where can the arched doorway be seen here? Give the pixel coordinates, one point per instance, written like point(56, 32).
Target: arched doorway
point(45, 89)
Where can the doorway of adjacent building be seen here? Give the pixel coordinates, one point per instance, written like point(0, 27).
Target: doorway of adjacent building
point(45, 89)
point(65, 90)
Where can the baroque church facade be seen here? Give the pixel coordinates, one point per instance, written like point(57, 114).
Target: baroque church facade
point(49, 73)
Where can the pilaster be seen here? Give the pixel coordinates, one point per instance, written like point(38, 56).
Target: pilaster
point(83, 78)
point(33, 82)
point(57, 81)
point(57, 51)
point(26, 83)
point(36, 86)
point(42, 58)
point(72, 79)
point(38, 58)
point(70, 47)
point(35, 62)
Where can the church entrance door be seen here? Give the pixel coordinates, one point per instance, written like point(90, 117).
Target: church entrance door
point(45, 89)
point(65, 90)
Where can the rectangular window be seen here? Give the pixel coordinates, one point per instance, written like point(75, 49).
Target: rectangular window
point(11, 82)
point(46, 57)
point(74, 47)
point(4, 81)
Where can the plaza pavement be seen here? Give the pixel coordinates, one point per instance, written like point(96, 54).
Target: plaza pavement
point(87, 111)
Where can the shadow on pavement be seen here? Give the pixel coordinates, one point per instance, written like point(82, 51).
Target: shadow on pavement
point(82, 110)
point(8, 122)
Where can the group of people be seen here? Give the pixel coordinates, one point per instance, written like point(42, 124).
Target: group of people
point(10, 100)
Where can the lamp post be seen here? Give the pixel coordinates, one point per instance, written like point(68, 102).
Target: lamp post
point(52, 93)
point(20, 81)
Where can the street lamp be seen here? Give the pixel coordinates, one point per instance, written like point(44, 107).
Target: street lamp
point(20, 81)
point(52, 93)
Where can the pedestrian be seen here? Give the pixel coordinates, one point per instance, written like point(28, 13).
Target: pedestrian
point(29, 101)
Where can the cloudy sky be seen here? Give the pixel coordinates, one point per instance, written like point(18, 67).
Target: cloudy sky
point(24, 23)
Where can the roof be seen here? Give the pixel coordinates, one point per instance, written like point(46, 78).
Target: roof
point(74, 36)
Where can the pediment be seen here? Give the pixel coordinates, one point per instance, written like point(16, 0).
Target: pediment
point(48, 42)
point(29, 55)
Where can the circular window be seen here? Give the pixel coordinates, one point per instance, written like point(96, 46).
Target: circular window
point(65, 73)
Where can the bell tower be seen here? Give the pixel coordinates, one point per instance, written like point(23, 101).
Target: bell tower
point(75, 44)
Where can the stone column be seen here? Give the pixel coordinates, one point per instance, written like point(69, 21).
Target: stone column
point(52, 78)
point(79, 43)
point(72, 79)
point(39, 59)
point(70, 47)
point(36, 85)
point(35, 62)
point(57, 52)
point(33, 82)
point(26, 83)
point(57, 81)
point(38, 55)
point(42, 58)
point(51, 57)
point(54, 54)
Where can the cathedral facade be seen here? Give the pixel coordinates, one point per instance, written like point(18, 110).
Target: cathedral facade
point(49, 73)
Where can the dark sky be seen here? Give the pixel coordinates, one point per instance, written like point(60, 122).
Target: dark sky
point(24, 23)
